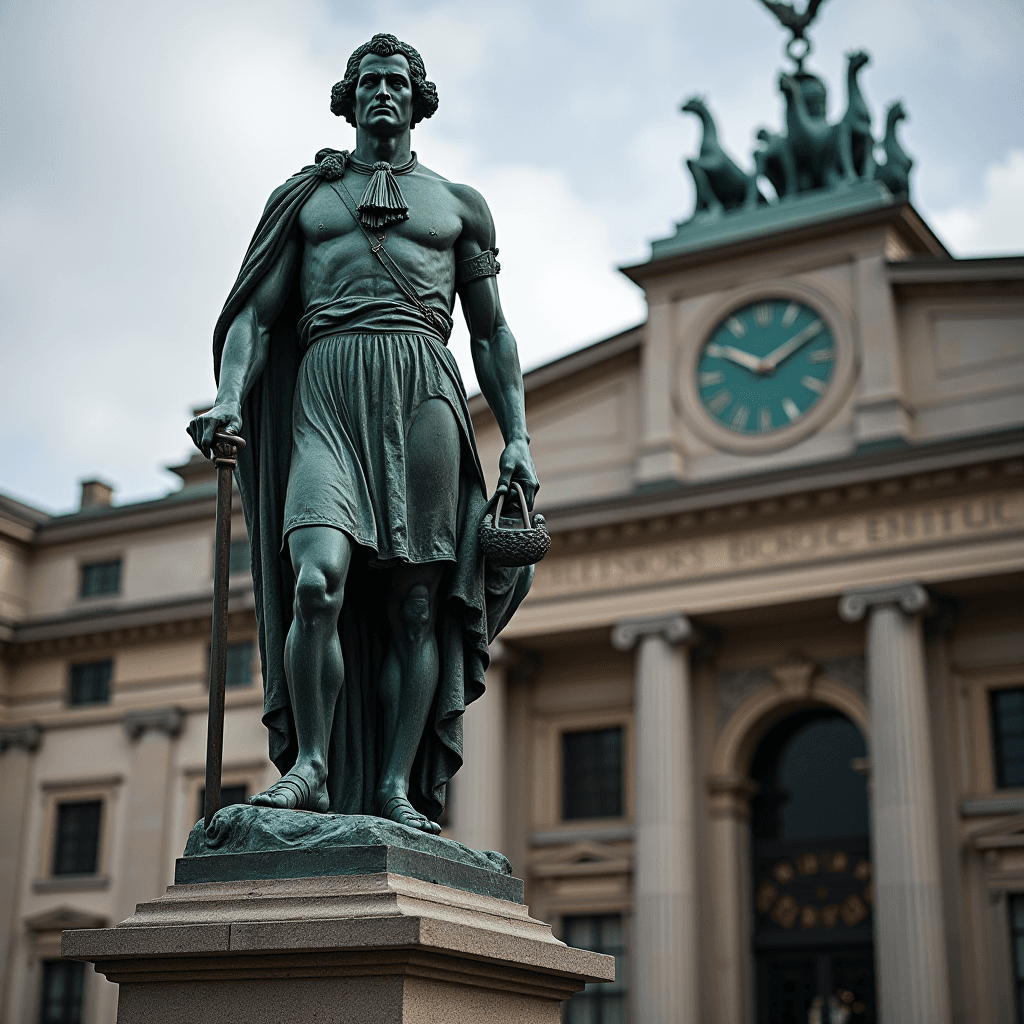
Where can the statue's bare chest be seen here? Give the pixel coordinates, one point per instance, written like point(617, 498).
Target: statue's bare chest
point(434, 223)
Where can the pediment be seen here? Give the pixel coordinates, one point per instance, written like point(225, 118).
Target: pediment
point(59, 918)
point(584, 858)
point(1006, 833)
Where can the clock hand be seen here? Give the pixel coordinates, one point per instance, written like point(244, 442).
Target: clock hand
point(736, 355)
point(784, 351)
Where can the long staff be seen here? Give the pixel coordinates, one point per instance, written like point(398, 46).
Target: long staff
point(225, 451)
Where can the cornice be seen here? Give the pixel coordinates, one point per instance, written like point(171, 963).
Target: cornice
point(902, 218)
point(837, 485)
point(111, 627)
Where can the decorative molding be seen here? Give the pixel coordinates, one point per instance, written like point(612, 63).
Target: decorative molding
point(848, 672)
point(910, 597)
point(167, 720)
point(987, 806)
point(583, 859)
point(592, 834)
point(794, 678)
point(59, 918)
point(660, 555)
point(674, 629)
point(90, 782)
point(27, 737)
point(729, 796)
point(71, 883)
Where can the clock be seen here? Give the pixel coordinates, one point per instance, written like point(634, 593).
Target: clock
point(766, 368)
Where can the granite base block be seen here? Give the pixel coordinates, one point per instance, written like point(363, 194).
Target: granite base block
point(378, 947)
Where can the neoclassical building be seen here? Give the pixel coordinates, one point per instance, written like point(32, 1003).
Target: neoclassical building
point(759, 727)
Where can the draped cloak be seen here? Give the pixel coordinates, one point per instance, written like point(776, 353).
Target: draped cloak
point(477, 598)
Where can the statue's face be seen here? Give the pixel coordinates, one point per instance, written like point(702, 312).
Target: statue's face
point(383, 95)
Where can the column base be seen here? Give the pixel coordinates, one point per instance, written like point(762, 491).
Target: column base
point(375, 948)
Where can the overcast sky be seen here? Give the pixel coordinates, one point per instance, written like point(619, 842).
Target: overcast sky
point(140, 141)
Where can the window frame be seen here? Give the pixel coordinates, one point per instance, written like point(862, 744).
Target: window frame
point(563, 779)
point(105, 790)
point(997, 768)
point(606, 909)
point(547, 770)
point(84, 564)
point(72, 965)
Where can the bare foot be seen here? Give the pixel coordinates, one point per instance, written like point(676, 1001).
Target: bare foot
point(297, 790)
point(397, 808)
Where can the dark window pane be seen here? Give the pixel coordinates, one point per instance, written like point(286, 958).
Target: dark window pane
point(78, 833)
point(239, 671)
point(1008, 737)
point(592, 774)
point(241, 557)
point(101, 578)
point(63, 992)
point(90, 683)
point(228, 795)
point(604, 1002)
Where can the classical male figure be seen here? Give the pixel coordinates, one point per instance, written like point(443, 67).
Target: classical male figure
point(360, 482)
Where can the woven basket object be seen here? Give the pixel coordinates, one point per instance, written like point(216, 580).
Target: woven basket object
point(513, 545)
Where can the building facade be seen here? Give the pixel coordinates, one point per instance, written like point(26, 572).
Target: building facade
point(759, 727)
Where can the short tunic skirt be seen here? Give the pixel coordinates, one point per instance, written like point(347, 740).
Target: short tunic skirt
point(356, 399)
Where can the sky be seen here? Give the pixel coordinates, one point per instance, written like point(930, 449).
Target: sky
point(139, 142)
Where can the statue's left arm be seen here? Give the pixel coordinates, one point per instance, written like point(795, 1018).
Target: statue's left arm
point(495, 356)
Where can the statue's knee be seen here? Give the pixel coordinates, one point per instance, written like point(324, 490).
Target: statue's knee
point(314, 595)
point(416, 612)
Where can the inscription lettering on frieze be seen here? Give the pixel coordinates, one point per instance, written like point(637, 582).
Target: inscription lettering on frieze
point(836, 537)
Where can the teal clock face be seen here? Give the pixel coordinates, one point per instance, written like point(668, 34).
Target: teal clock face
point(766, 366)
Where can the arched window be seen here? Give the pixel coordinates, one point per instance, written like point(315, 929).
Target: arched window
point(812, 871)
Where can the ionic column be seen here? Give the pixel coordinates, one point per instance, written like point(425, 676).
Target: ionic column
point(145, 871)
point(478, 791)
point(664, 952)
point(910, 934)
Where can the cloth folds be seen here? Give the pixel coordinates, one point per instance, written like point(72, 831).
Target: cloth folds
point(478, 598)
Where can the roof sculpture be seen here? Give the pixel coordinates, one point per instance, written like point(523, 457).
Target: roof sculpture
point(810, 154)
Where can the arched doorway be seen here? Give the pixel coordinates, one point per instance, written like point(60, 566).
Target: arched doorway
point(812, 872)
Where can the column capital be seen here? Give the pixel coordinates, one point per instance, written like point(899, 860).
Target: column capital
point(166, 720)
point(911, 597)
point(675, 628)
point(27, 737)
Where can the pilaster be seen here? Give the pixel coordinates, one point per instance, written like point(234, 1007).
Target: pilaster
point(913, 978)
point(665, 882)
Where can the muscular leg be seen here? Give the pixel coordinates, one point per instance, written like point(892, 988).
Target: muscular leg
point(313, 662)
point(410, 674)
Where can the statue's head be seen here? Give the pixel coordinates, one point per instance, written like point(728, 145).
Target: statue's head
point(384, 54)
point(694, 105)
point(896, 112)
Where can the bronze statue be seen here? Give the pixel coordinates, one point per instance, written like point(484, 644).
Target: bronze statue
point(361, 485)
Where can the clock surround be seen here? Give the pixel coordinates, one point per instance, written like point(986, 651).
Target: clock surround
point(781, 367)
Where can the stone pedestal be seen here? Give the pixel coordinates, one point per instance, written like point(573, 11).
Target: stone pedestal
point(388, 944)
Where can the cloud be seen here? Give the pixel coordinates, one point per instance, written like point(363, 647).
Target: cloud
point(995, 225)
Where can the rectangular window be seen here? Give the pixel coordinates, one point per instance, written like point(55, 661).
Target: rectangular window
point(1016, 908)
point(603, 1002)
point(592, 774)
point(241, 557)
point(101, 578)
point(63, 992)
point(239, 664)
point(90, 682)
point(1008, 737)
point(78, 835)
point(228, 795)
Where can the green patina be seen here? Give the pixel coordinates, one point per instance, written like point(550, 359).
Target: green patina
point(810, 157)
point(766, 366)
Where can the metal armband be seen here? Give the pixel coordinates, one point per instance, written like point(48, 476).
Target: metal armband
point(483, 264)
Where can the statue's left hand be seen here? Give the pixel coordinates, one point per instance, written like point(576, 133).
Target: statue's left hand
point(516, 463)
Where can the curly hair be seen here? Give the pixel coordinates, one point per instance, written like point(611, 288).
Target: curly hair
point(383, 44)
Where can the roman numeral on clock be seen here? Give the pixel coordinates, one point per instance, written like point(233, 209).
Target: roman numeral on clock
point(709, 377)
point(720, 402)
point(763, 314)
point(736, 327)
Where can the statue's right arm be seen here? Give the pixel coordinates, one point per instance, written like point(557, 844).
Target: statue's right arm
point(245, 348)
